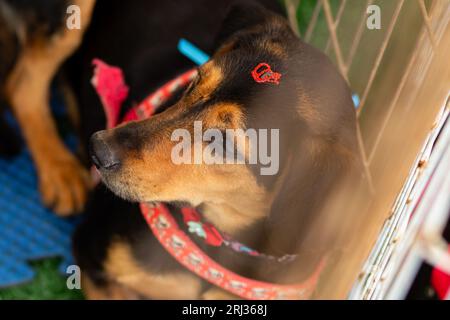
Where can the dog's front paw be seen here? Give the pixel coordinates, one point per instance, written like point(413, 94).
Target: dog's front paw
point(64, 184)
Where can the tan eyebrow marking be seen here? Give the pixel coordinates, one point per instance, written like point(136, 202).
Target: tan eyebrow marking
point(210, 78)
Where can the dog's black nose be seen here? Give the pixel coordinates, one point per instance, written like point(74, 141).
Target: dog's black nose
point(102, 154)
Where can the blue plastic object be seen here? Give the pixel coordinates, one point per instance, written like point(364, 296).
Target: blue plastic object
point(356, 100)
point(192, 52)
point(28, 231)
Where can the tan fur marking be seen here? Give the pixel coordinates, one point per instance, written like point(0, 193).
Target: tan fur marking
point(111, 291)
point(224, 115)
point(231, 220)
point(275, 48)
point(218, 294)
point(211, 77)
point(123, 269)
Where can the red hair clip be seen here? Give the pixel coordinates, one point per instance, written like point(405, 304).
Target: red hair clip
point(263, 73)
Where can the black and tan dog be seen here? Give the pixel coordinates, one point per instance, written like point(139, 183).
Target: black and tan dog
point(279, 214)
point(34, 43)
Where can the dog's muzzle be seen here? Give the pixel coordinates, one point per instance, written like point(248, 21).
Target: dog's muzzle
point(102, 154)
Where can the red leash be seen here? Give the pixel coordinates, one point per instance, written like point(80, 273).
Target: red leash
point(109, 84)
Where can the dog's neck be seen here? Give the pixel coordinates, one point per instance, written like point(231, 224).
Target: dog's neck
point(286, 220)
point(238, 213)
point(276, 221)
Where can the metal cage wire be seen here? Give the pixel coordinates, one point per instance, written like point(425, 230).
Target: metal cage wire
point(434, 16)
point(344, 63)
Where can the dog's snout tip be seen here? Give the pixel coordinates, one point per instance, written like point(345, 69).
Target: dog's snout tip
point(101, 153)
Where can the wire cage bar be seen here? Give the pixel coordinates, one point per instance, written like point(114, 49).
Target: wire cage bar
point(347, 39)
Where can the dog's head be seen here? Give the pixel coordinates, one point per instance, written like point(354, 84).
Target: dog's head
point(263, 78)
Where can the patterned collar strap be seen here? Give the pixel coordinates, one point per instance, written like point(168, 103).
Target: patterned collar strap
point(154, 101)
point(186, 252)
point(215, 238)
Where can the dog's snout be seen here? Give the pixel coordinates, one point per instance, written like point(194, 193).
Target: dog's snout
point(102, 154)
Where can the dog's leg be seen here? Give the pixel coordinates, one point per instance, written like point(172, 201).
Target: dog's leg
point(62, 180)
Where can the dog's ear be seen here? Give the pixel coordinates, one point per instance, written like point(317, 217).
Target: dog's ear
point(242, 15)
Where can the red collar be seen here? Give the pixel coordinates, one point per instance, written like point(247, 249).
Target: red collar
point(186, 252)
point(215, 238)
point(110, 86)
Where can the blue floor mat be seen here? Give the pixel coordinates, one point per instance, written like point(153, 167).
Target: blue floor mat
point(28, 231)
